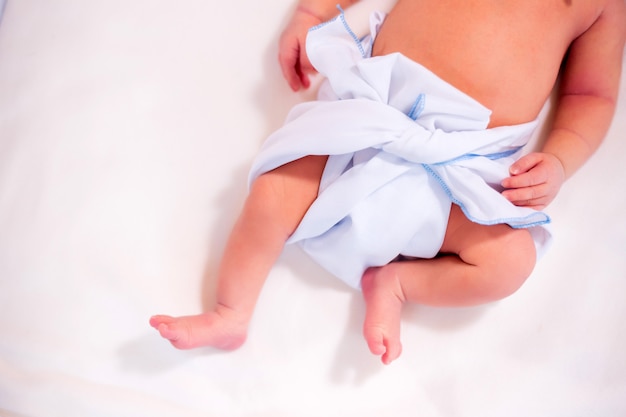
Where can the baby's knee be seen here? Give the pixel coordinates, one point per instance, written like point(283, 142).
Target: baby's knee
point(512, 261)
point(296, 182)
point(267, 193)
point(284, 194)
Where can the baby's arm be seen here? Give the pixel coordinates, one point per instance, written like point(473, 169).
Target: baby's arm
point(587, 101)
point(292, 55)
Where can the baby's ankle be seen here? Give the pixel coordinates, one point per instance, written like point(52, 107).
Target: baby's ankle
point(235, 316)
point(383, 279)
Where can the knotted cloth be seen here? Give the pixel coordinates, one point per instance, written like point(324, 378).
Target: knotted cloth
point(403, 146)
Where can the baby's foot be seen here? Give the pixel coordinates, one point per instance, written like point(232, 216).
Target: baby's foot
point(212, 329)
point(383, 301)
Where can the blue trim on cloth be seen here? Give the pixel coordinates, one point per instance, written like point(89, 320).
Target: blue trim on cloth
point(491, 156)
point(414, 113)
point(418, 107)
point(513, 222)
point(400, 155)
point(342, 16)
point(2, 5)
point(356, 39)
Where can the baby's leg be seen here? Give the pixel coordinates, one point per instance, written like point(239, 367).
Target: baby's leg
point(275, 206)
point(478, 264)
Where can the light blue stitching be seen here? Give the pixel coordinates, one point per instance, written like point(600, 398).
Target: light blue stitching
point(503, 154)
point(446, 189)
point(321, 25)
point(341, 16)
point(414, 113)
point(350, 32)
point(491, 156)
point(418, 107)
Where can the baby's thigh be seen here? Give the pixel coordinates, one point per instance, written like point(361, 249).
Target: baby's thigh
point(288, 191)
point(498, 249)
point(297, 181)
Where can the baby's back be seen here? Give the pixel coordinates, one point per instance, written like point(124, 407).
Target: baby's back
point(504, 53)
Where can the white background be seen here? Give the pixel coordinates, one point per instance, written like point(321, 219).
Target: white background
point(126, 132)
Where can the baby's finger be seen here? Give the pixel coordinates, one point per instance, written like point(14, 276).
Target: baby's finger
point(526, 194)
point(288, 58)
point(303, 73)
point(536, 204)
point(528, 179)
point(525, 163)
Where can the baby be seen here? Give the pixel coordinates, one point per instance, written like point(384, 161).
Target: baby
point(405, 180)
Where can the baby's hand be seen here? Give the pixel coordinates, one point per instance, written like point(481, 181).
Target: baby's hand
point(535, 180)
point(294, 62)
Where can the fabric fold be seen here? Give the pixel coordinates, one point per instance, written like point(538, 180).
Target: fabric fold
point(403, 146)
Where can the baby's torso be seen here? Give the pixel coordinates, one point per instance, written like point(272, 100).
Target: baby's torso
point(504, 53)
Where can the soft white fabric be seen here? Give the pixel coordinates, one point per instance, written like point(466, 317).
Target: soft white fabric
point(127, 129)
point(403, 146)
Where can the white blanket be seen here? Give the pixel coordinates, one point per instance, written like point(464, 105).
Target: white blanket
point(127, 129)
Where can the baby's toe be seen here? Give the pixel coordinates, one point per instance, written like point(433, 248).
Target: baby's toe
point(392, 352)
point(156, 321)
point(375, 340)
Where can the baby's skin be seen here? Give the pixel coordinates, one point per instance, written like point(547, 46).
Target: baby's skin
point(507, 55)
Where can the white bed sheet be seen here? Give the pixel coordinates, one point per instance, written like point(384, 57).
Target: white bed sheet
point(126, 133)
